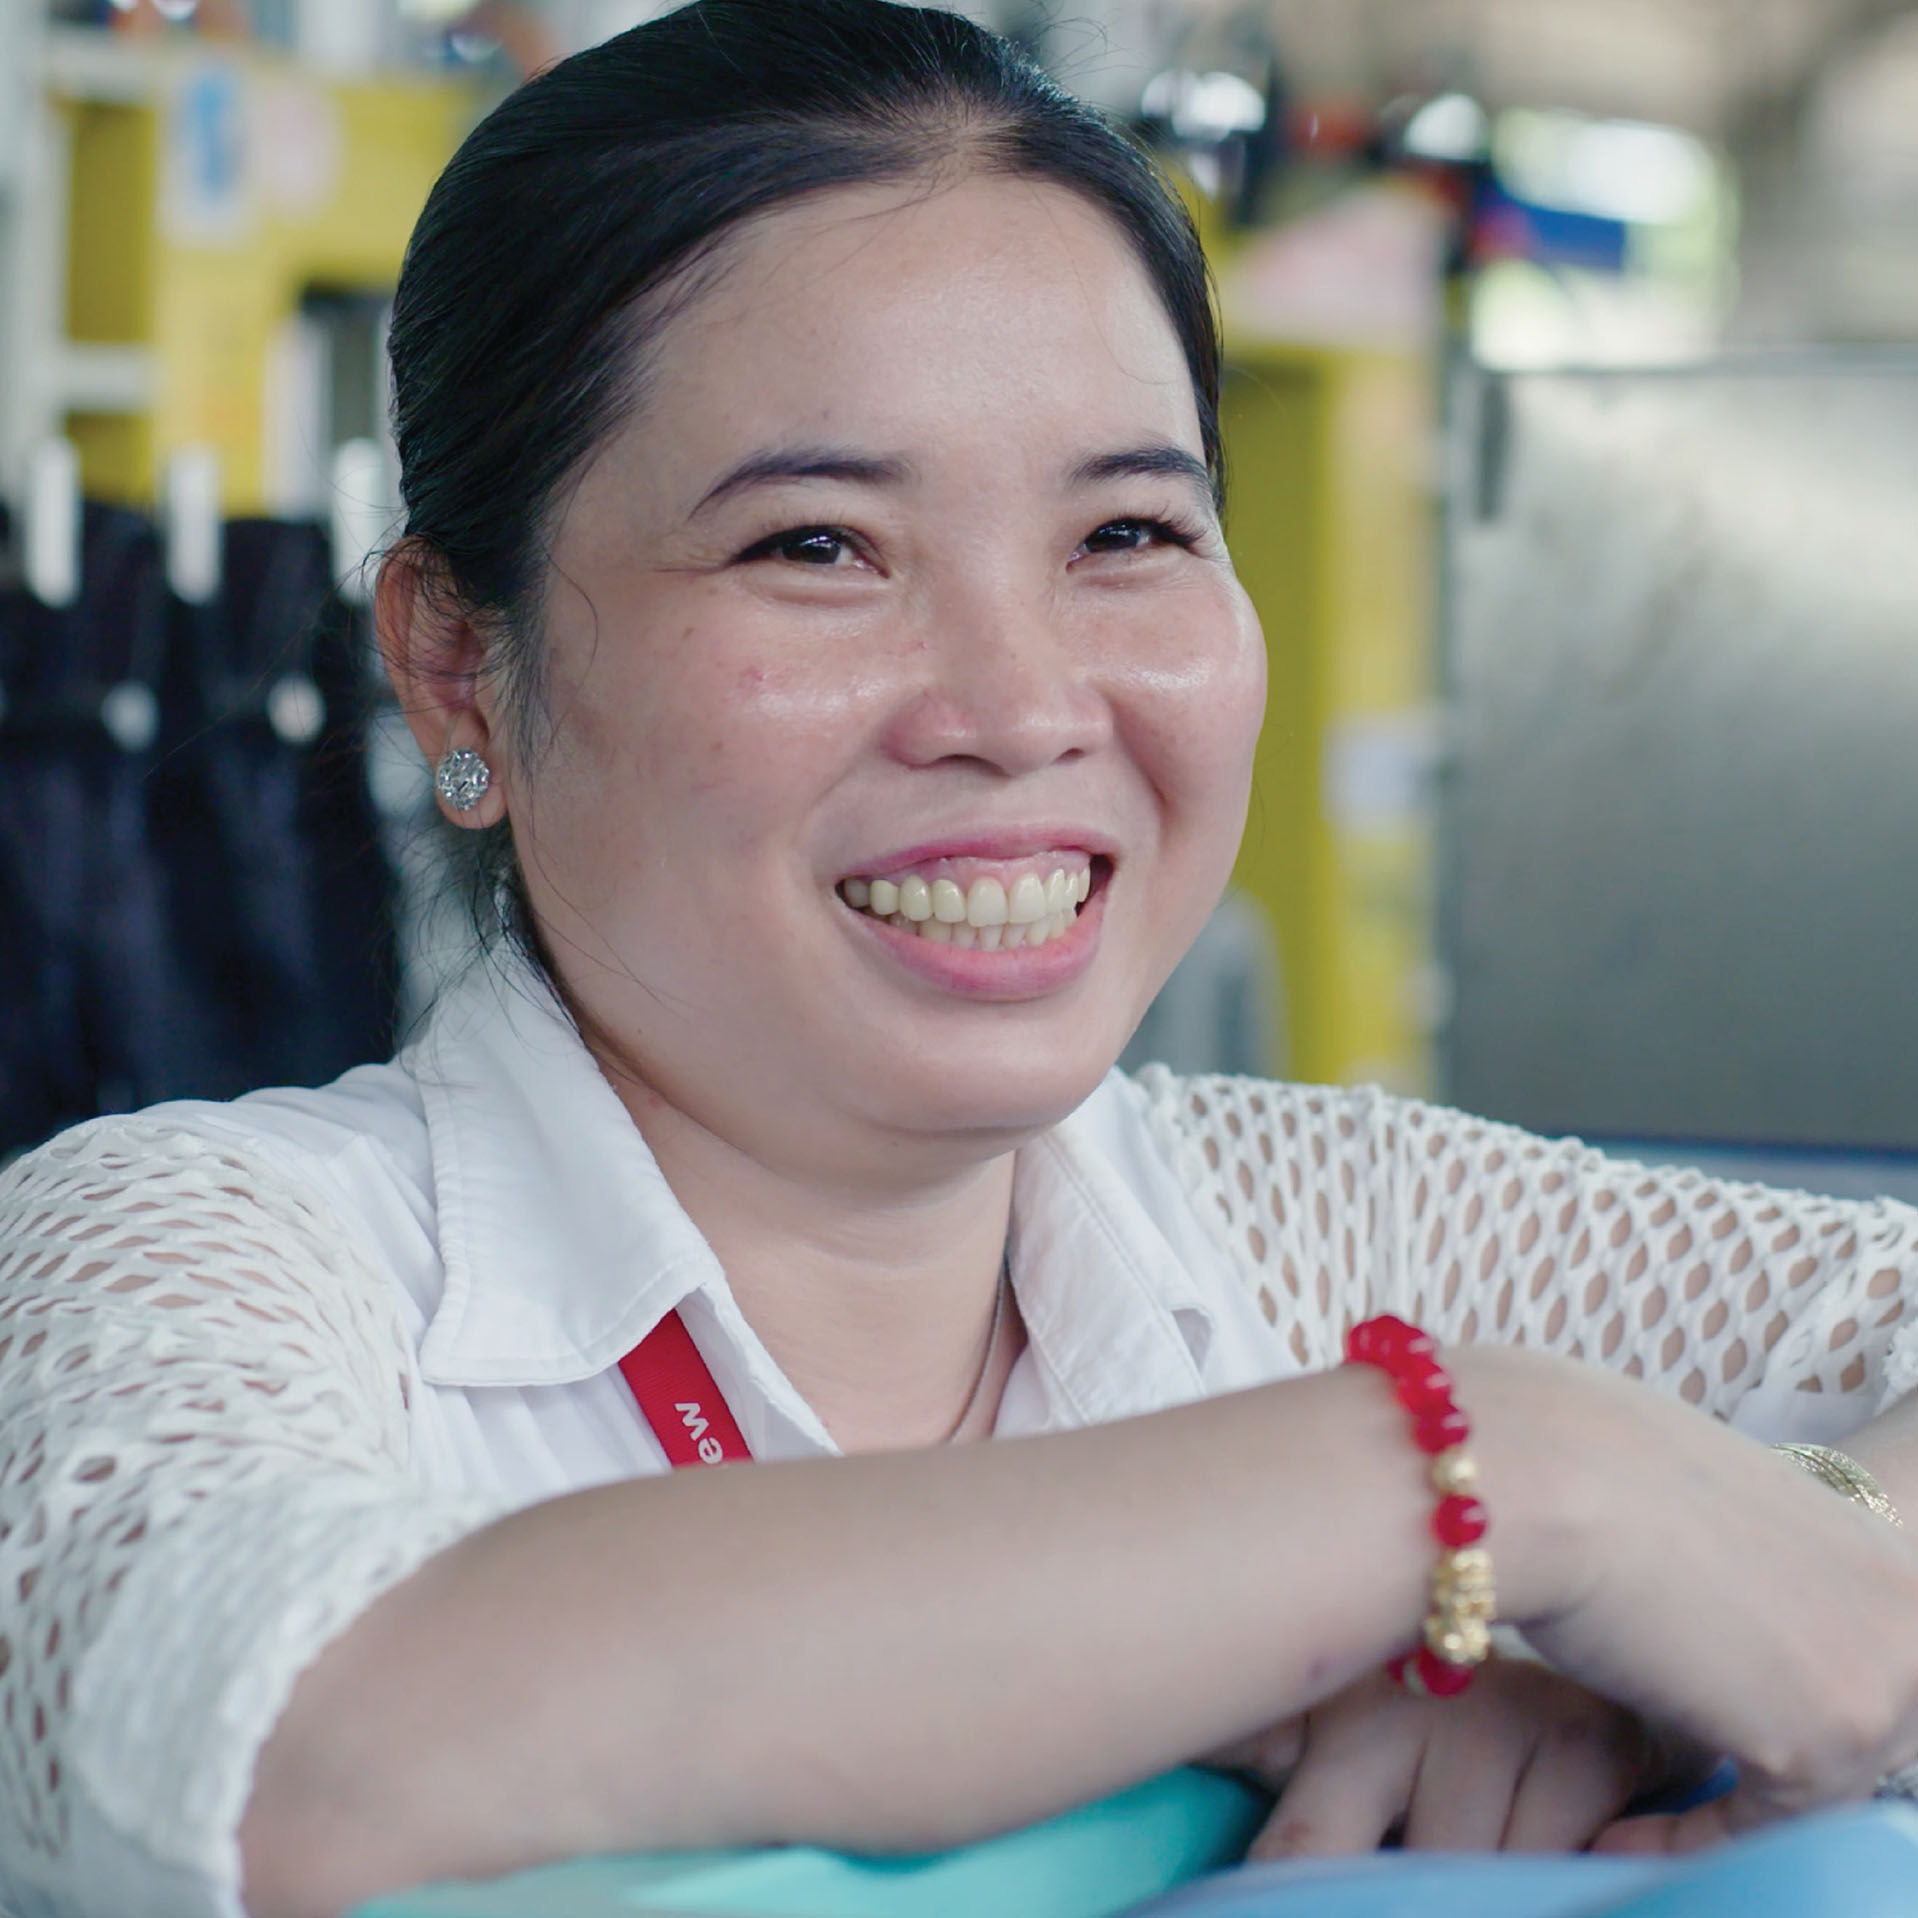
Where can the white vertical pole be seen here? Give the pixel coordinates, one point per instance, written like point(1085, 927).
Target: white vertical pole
point(35, 155)
point(362, 515)
point(296, 449)
point(52, 523)
point(191, 510)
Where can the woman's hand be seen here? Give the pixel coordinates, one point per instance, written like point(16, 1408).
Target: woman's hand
point(1524, 1760)
point(1709, 1585)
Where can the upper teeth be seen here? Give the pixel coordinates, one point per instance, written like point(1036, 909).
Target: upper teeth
point(984, 903)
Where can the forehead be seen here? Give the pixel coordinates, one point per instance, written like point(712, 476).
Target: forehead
point(991, 305)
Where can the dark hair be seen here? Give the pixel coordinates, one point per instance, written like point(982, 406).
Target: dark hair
point(570, 216)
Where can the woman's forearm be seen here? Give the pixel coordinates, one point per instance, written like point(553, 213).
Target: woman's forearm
point(897, 1651)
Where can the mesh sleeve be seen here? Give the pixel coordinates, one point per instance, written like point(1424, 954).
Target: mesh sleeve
point(203, 1479)
point(1335, 1204)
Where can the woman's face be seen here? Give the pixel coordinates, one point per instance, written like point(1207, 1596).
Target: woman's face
point(902, 590)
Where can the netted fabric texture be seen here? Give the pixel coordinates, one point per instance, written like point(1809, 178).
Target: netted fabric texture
point(1337, 1204)
point(204, 1416)
point(203, 1478)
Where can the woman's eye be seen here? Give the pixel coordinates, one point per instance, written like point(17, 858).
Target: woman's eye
point(805, 546)
point(1136, 535)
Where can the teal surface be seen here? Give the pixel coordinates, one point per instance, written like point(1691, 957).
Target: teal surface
point(1859, 1862)
point(1091, 1863)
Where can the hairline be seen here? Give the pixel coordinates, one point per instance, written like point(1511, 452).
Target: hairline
point(648, 316)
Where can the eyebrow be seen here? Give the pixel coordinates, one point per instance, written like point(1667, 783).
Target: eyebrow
point(783, 464)
point(1161, 460)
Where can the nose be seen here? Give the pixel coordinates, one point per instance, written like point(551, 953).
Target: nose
point(1002, 684)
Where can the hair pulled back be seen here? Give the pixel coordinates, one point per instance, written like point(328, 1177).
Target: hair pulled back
point(550, 249)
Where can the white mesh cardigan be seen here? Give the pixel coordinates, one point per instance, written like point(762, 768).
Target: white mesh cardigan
point(209, 1461)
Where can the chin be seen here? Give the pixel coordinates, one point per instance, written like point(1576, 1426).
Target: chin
point(988, 1096)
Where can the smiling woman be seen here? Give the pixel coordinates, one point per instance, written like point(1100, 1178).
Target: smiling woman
point(814, 603)
point(993, 636)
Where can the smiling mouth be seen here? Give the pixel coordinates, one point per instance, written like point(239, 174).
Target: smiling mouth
point(1005, 909)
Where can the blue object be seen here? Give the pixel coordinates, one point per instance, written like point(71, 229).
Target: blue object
point(1407, 1884)
point(1123, 1855)
point(1092, 1863)
point(1860, 1862)
point(1507, 227)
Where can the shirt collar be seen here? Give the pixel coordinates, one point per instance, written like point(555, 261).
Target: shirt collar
point(561, 1241)
point(1113, 1317)
point(562, 1244)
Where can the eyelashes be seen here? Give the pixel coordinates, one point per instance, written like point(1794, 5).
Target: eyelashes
point(825, 548)
point(1135, 534)
point(818, 547)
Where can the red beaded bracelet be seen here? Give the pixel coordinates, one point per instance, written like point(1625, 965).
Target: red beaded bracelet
point(1457, 1636)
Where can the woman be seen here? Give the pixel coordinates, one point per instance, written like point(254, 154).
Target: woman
point(814, 603)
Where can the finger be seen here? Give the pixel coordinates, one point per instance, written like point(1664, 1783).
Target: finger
point(1343, 1798)
point(1476, 1757)
point(1463, 1794)
point(1270, 1755)
point(1677, 1833)
point(1574, 1786)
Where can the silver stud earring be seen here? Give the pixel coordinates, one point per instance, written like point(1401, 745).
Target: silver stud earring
point(461, 778)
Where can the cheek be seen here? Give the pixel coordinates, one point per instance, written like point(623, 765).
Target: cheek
point(1199, 708)
point(734, 738)
point(1241, 697)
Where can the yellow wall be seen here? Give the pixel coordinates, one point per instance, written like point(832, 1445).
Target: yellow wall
point(324, 192)
point(1330, 527)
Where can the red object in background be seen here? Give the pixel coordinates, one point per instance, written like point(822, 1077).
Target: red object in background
point(216, 19)
point(1329, 129)
point(523, 36)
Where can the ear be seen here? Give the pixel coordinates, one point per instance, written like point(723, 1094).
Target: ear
point(435, 657)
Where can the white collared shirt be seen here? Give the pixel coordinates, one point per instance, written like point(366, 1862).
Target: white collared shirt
point(282, 1351)
point(534, 1242)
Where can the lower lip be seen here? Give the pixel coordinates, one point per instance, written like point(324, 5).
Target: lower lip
point(1028, 972)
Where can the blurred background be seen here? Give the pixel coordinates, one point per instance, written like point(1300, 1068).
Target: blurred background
point(1572, 412)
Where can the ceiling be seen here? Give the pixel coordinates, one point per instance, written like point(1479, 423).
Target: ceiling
point(1718, 67)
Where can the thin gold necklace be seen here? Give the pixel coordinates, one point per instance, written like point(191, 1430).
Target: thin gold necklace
point(999, 1298)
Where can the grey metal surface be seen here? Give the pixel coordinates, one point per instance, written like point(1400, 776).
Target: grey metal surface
point(1681, 814)
point(1836, 1174)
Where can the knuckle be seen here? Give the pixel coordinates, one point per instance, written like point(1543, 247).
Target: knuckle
point(1852, 1716)
point(1596, 1741)
point(1776, 1753)
point(1292, 1835)
point(1866, 1715)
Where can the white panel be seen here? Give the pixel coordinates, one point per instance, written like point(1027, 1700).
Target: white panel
point(92, 377)
point(362, 514)
point(1106, 50)
point(342, 36)
point(191, 494)
point(16, 70)
point(52, 523)
point(297, 452)
point(602, 19)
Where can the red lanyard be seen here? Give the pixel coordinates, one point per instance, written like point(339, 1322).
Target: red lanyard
point(682, 1401)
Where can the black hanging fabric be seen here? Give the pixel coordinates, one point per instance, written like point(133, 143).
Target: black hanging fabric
point(194, 898)
point(282, 894)
point(97, 1017)
point(356, 892)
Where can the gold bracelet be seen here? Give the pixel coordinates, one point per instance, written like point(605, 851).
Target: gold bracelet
point(1844, 1475)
